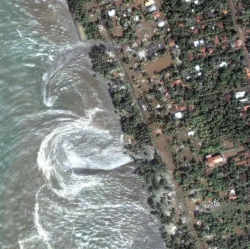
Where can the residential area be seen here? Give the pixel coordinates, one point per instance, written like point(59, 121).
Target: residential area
point(179, 77)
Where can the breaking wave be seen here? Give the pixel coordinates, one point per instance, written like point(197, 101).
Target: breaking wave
point(58, 127)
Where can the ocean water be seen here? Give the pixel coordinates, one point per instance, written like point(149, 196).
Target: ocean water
point(62, 183)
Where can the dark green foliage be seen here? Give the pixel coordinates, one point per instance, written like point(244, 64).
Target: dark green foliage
point(217, 115)
point(81, 15)
point(99, 59)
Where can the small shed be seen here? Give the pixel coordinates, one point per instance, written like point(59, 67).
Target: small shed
point(149, 3)
point(240, 94)
point(214, 161)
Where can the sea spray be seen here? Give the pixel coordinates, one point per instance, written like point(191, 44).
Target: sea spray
point(43, 120)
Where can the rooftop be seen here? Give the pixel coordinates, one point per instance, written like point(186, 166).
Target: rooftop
point(213, 161)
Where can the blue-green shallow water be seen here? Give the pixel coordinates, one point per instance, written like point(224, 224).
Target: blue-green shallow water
point(56, 116)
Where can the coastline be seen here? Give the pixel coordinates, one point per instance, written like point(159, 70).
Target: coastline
point(158, 179)
point(157, 149)
point(145, 164)
point(80, 30)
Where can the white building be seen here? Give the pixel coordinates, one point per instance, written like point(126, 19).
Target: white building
point(136, 18)
point(111, 13)
point(191, 133)
point(152, 8)
point(178, 115)
point(244, 100)
point(171, 228)
point(223, 64)
point(198, 43)
point(142, 54)
point(240, 94)
point(161, 24)
point(149, 3)
point(197, 68)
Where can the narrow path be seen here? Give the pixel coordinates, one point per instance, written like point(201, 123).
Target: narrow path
point(162, 145)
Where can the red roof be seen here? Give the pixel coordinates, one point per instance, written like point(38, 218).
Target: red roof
point(238, 43)
point(216, 40)
point(180, 108)
point(198, 19)
point(177, 82)
point(203, 51)
point(213, 161)
point(248, 72)
point(157, 14)
point(246, 108)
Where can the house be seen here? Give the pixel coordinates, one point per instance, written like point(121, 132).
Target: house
point(171, 43)
point(244, 100)
point(152, 8)
point(117, 31)
point(167, 95)
point(177, 83)
point(179, 108)
point(246, 108)
point(245, 111)
point(178, 115)
point(210, 51)
point(149, 3)
point(216, 40)
point(238, 43)
point(142, 54)
point(101, 28)
point(243, 159)
point(223, 64)
point(245, 162)
point(118, 3)
point(232, 195)
point(197, 68)
point(191, 133)
point(213, 161)
point(158, 132)
point(198, 19)
point(112, 13)
point(137, 18)
point(248, 73)
point(153, 49)
point(225, 11)
point(240, 94)
point(161, 24)
point(157, 15)
point(198, 43)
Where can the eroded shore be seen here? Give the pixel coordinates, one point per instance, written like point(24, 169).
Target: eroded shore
point(164, 195)
point(183, 156)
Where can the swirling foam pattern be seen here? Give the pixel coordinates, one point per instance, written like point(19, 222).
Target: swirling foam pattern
point(57, 117)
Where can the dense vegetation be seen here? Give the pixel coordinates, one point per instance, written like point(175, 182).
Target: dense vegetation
point(81, 15)
point(209, 69)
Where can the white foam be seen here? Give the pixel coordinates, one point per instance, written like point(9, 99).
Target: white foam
point(41, 231)
point(19, 33)
point(41, 235)
point(78, 144)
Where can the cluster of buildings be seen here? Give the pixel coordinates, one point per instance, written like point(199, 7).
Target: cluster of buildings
point(165, 60)
point(151, 55)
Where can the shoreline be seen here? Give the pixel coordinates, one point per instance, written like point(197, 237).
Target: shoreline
point(156, 123)
point(152, 169)
point(156, 193)
point(80, 30)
